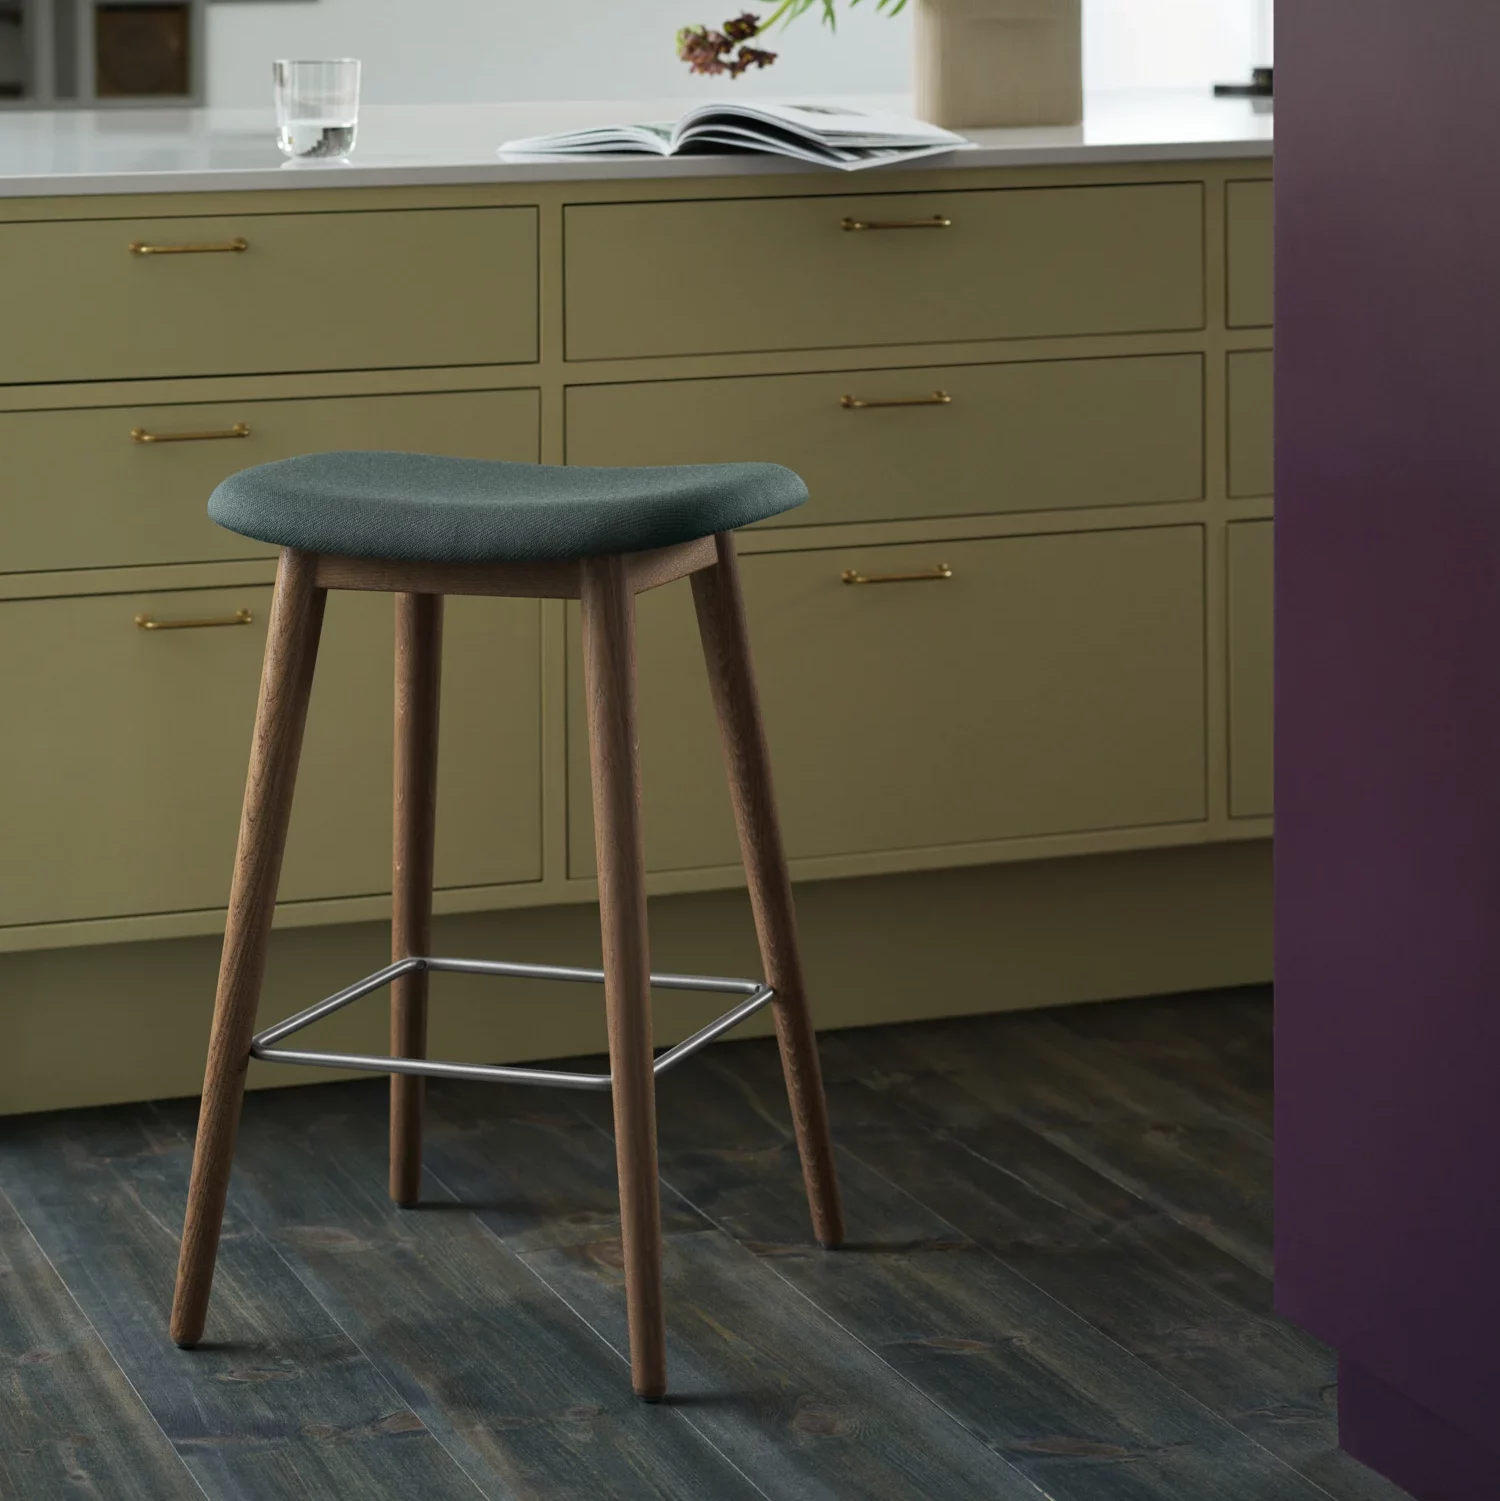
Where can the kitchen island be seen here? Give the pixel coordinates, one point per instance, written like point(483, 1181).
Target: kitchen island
point(1034, 376)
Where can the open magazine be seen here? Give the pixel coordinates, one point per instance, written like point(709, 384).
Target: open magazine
point(830, 135)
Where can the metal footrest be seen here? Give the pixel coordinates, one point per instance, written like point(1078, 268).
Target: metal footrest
point(262, 1045)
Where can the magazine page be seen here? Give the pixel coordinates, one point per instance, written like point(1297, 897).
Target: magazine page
point(892, 156)
point(825, 124)
point(603, 140)
point(759, 139)
point(827, 134)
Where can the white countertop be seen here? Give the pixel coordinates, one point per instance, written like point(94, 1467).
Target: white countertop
point(46, 152)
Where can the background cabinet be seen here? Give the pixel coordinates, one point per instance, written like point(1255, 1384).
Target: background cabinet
point(1248, 230)
point(1029, 694)
point(308, 291)
point(1250, 669)
point(120, 785)
point(87, 492)
point(1251, 444)
point(651, 278)
point(1092, 681)
point(1030, 436)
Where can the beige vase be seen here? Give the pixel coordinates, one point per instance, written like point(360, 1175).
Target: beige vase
point(999, 62)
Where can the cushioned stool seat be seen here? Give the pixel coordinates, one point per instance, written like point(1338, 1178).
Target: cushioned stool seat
point(419, 507)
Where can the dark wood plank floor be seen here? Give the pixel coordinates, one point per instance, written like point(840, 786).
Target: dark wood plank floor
point(1057, 1286)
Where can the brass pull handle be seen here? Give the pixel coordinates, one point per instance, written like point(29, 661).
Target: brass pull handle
point(927, 576)
point(236, 246)
point(151, 623)
point(140, 435)
point(861, 403)
point(937, 221)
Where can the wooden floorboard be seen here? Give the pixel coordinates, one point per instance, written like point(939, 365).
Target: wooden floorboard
point(1173, 1299)
point(514, 1384)
point(802, 1407)
point(70, 1423)
point(1197, 1043)
point(1084, 1419)
point(1142, 1131)
point(278, 1402)
point(1056, 1286)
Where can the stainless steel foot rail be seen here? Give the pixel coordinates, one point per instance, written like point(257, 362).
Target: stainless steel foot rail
point(262, 1045)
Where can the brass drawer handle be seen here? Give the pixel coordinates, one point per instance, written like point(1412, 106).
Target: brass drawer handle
point(862, 403)
point(140, 435)
point(937, 221)
point(928, 576)
point(151, 623)
point(236, 246)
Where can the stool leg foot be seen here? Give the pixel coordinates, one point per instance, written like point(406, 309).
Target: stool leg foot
point(726, 649)
point(419, 647)
point(286, 683)
point(609, 673)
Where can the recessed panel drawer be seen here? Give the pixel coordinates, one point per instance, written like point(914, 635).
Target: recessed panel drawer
point(1251, 653)
point(878, 445)
point(320, 291)
point(1052, 685)
point(121, 779)
point(1251, 236)
point(82, 489)
point(1252, 448)
point(736, 275)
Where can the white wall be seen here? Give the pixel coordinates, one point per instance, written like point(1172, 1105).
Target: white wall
point(496, 50)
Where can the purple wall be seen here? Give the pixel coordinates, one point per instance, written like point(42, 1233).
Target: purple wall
point(1388, 720)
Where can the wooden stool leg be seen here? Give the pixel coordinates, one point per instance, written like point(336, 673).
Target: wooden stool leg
point(726, 648)
point(419, 655)
point(286, 683)
point(609, 676)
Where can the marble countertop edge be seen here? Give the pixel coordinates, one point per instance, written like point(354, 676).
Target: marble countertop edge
point(82, 153)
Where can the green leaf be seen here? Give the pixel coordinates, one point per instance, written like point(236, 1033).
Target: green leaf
point(789, 10)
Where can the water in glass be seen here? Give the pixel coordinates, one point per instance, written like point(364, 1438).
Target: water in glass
point(317, 107)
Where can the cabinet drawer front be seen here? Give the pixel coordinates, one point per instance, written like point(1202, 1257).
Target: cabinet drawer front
point(1251, 255)
point(120, 784)
point(326, 291)
point(82, 492)
point(1050, 435)
point(1031, 693)
point(1252, 448)
point(663, 278)
point(1250, 668)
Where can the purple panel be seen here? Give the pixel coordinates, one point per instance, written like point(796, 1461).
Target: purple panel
point(1388, 691)
point(1416, 1448)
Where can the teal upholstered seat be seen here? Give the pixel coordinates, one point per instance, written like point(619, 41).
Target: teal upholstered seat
point(420, 507)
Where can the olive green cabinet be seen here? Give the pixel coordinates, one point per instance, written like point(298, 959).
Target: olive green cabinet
point(1249, 234)
point(1251, 443)
point(1251, 652)
point(1032, 398)
point(267, 293)
point(952, 440)
point(736, 275)
point(121, 486)
point(120, 782)
point(1050, 685)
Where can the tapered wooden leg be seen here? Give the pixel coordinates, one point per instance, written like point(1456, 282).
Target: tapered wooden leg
point(419, 656)
point(286, 683)
point(609, 677)
point(726, 648)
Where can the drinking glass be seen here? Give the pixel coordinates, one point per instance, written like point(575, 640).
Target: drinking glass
point(317, 106)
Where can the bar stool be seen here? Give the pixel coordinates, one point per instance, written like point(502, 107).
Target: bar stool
point(420, 526)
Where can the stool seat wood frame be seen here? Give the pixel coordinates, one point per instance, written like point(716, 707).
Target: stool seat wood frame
point(605, 587)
